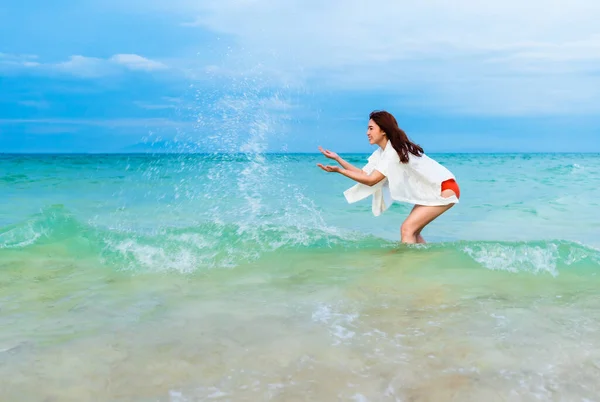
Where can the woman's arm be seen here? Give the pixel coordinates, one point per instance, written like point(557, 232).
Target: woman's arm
point(346, 165)
point(360, 176)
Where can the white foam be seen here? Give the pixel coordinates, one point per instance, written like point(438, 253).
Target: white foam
point(19, 237)
point(158, 259)
point(516, 258)
point(339, 324)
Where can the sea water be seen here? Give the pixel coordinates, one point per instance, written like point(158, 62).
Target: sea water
point(249, 277)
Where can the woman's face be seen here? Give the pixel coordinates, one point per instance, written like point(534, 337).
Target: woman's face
point(374, 133)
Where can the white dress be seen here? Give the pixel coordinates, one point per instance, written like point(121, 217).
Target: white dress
point(417, 182)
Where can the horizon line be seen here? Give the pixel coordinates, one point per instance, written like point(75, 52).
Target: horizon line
point(284, 153)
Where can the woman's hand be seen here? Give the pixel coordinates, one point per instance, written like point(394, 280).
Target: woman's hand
point(329, 168)
point(328, 153)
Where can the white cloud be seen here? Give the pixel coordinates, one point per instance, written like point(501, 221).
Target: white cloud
point(136, 62)
point(167, 103)
point(471, 56)
point(124, 122)
point(357, 31)
point(15, 61)
point(82, 66)
point(505, 57)
point(568, 56)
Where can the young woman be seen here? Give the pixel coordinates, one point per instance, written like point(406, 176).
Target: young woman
point(399, 170)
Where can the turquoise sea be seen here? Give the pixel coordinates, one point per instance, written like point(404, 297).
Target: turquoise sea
point(249, 278)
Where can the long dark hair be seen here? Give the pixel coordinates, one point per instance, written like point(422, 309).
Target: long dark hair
point(395, 135)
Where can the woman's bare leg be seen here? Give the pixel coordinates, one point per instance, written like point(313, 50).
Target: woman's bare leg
point(420, 239)
point(419, 217)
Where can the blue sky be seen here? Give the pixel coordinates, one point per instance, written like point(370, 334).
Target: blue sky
point(235, 75)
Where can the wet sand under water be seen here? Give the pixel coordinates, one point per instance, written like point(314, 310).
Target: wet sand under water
point(383, 324)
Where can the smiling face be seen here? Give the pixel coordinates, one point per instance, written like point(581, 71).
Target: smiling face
point(375, 134)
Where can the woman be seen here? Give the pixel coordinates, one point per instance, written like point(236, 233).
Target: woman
point(410, 176)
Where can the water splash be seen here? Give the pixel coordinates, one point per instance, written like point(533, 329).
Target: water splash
point(218, 245)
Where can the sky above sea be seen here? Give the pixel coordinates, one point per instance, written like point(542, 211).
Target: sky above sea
point(237, 76)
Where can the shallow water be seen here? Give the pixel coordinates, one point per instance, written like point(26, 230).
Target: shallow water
point(177, 279)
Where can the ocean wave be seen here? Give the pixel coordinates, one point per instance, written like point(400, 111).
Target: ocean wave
point(14, 178)
point(215, 245)
point(218, 244)
point(183, 249)
point(535, 257)
point(566, 168)
point(49, 225)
